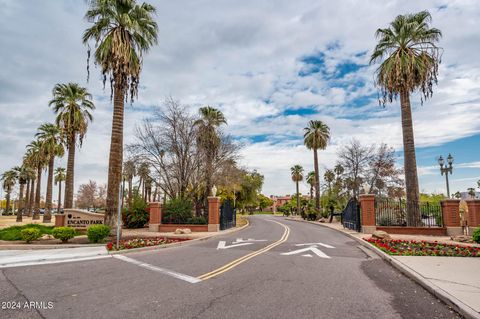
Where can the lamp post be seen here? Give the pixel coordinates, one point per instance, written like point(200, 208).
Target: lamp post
point(445, 169)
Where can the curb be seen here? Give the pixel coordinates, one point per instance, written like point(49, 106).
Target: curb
point(181, 243)
point(441, 294)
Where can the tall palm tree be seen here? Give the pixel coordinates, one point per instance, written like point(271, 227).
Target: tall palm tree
point(9, 179)
point(122, 31)
point(59, 178)
point(317, 135)
point(36, 158)
point(73, 106)
point(31, 172)
point(129, 170)
point(143, 173)
point(311, 181)
point(297, 176)
point(51, 139)
point(409, 62)
point(22, 175)
point(208, 140)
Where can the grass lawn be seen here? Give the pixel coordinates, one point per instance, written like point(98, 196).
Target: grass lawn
point(13, 232)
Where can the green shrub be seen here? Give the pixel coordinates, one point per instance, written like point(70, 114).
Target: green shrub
point(197, 220)
point(13, 232)
point(476, 235)
point(63, 233)
point(30, 234)
point(97, 233)
point(136, 216)
point(177, 211)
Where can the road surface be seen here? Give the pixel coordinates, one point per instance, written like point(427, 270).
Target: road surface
point(275, 268)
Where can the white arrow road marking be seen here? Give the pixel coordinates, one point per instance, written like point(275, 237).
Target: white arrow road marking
point(314, 244)
point(313, 249)
point(223, 245)
point(241, 240)
point(307, 255)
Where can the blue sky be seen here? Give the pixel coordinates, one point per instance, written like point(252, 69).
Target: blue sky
point(270, 66)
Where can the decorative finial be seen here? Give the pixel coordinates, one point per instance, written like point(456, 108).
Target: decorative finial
point(214, 191)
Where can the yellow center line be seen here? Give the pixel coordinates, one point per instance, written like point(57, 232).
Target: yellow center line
point(240, 260)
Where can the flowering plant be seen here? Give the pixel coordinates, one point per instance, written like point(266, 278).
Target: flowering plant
point(423, 248)
point(142, 242)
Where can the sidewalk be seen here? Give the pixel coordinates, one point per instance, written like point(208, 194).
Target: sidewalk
point(16, 258)
point(455, 280)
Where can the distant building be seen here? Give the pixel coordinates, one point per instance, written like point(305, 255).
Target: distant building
point(282, 200)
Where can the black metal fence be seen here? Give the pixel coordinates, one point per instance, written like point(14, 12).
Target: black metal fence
point(397, 212)
point(228, 215)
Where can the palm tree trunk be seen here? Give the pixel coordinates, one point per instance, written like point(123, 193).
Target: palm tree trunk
point(47, 216)
point(31, 198)
point(59, 205)
point(298, 199)
point(27, 199)
point(116, 157)
point(7, 196)
point(20, 203)
point(311, 191)
point(68, 200)
point(410, 162)
point(36, 211)
point(123, 191)
point(130, 183)
point(317, 180)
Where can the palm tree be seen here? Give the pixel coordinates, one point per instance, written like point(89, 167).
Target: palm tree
point(36, 158)
point(129, 170)
point(31, 173)
point(143, 173)
point(410, 59)
point(9, 179)
point(59, 178)
point(317, 135)
point(73, 105)
point(122, 31)
point(50, 137)
point(22, 175)
point(311, 182)
point(471, 192)
point(297, 176)
point(208, 140)
point(329, 177)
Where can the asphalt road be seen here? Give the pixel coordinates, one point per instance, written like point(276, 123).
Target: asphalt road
point(273, 269)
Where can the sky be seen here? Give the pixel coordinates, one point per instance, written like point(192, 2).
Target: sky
point(269, 66)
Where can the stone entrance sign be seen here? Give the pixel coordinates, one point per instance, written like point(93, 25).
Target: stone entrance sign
point(79, 219)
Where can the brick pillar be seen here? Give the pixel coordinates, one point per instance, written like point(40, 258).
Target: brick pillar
point(451, 216)
point(473, 220)
point(155, 210)
point(59, 220)
point(367, 208)
point(213, 214)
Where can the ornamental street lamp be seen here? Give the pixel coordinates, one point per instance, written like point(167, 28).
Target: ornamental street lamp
point(445, 169)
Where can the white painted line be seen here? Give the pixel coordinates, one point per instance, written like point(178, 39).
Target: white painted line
point(51, 261)
point(307, 255)
point(223, 245)
point(314, 244)
point(241, 240)
point(171, 273)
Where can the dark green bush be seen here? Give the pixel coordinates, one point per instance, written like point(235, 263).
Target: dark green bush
point(97, 233)
point(177, 211)
point(63, 233)
point(30, 234)
point(476, 235)
point(197, 220)
point(137, 215)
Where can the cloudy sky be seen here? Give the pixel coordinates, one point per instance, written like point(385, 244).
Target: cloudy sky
point(270, 66)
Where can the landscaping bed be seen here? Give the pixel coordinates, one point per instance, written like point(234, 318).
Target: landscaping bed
point(143, 242)
point(423, 248)
point(14, 232)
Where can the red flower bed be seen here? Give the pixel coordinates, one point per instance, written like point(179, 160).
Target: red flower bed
point(143, 242)
point(423, 248)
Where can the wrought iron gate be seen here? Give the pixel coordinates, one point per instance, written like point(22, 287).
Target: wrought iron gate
point(351, 215)
point(228, 215)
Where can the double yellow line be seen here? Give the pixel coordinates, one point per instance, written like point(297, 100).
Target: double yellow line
point(243, 259)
